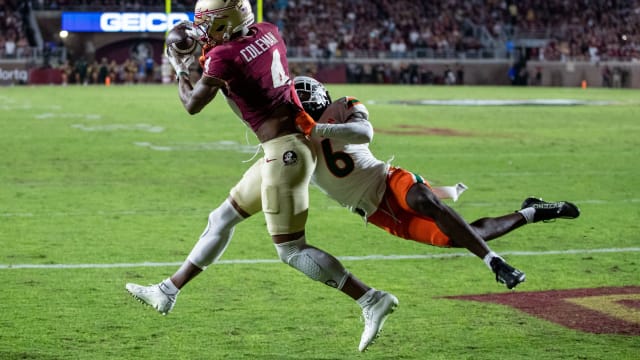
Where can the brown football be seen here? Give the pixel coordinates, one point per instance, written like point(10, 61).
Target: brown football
point(180, 41)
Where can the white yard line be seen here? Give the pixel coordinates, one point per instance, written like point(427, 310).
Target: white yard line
point(191, 211)
point(343, 258)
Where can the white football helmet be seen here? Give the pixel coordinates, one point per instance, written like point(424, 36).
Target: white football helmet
point(313, 95)
point(217, 20)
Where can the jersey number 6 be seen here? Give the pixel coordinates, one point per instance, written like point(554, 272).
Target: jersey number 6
point(339, 163)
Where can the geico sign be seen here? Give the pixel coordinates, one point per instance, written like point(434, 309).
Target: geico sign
point(139, 22)
point(13, 75)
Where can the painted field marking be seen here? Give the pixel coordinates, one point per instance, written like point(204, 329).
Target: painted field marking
point(599, 310)
point(224, 145)
point(119, 127)
point(191, 210)
point(342, 258)
point(612, 305)
point(500, 102)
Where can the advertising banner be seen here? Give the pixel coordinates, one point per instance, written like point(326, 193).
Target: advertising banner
point(13, 73)
point(121, 21)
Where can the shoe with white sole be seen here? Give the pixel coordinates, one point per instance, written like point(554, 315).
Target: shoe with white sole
point(154, 296)
point(380, 306)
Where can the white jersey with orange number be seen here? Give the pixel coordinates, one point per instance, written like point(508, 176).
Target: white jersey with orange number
point(346, 169)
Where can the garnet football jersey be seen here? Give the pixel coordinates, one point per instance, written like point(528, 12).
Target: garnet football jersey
point(256, 71)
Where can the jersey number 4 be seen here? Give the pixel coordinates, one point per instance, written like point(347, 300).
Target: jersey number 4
point(339, 163)
point(278, 74)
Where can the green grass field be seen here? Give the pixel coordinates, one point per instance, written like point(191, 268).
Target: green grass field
point(97, 184)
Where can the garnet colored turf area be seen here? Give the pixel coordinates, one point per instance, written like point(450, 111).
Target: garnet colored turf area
point(607, 310)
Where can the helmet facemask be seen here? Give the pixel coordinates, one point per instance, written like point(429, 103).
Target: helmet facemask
point(313, 95)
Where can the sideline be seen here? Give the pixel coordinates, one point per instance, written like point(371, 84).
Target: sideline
point(341, 258)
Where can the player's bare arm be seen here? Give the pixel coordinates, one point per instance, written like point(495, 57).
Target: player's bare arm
point(195, 97)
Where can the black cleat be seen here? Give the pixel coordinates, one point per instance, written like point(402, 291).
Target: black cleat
point(546, 211)
point(506, 274)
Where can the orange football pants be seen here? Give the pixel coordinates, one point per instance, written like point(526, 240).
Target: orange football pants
point(396, 217)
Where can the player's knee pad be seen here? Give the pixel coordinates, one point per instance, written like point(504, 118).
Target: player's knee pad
point(313, 262)
point(215, 238)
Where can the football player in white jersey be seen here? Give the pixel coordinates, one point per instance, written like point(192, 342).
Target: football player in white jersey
point(394, 199)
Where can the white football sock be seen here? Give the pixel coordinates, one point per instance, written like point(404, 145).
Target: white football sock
point(487, 259)
point(528, 213)
point(168, 287)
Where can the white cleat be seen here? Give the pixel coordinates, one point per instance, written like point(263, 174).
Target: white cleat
point(153, 296)
point(381, 306)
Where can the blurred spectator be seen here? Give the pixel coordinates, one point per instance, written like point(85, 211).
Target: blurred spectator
point(460, 74)
point(398, 47)
point(103, 70)
point(67, 73)
point(538, 77)
point(606, 76)
point(80, 72)
point(10, 45)
point(22, 47)
point(149, 69)
point(93, 71)
point(449, 76)
point(130, 70)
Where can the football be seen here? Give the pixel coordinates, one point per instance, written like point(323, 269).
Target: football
point(180, 41)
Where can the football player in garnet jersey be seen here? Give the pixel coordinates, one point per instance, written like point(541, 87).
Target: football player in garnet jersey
point(248, 63)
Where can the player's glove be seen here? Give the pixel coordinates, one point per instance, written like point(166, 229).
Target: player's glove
point(305, 123)
point(180, 63)
point(190, 29)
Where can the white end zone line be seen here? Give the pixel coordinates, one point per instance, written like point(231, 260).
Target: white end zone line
point(342, 258)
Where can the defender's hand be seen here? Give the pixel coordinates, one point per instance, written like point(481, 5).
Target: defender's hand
point(305, 123)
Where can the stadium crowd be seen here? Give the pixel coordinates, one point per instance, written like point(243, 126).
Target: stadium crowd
point(578, 30)
point(554, 30)
point(14, 29)
point(112, 5)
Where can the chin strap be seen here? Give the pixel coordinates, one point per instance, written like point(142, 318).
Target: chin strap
point(205, 50)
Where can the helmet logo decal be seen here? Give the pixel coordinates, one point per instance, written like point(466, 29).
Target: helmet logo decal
point(200, 13)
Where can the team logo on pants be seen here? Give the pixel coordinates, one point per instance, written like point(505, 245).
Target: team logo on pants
point(289, 158)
